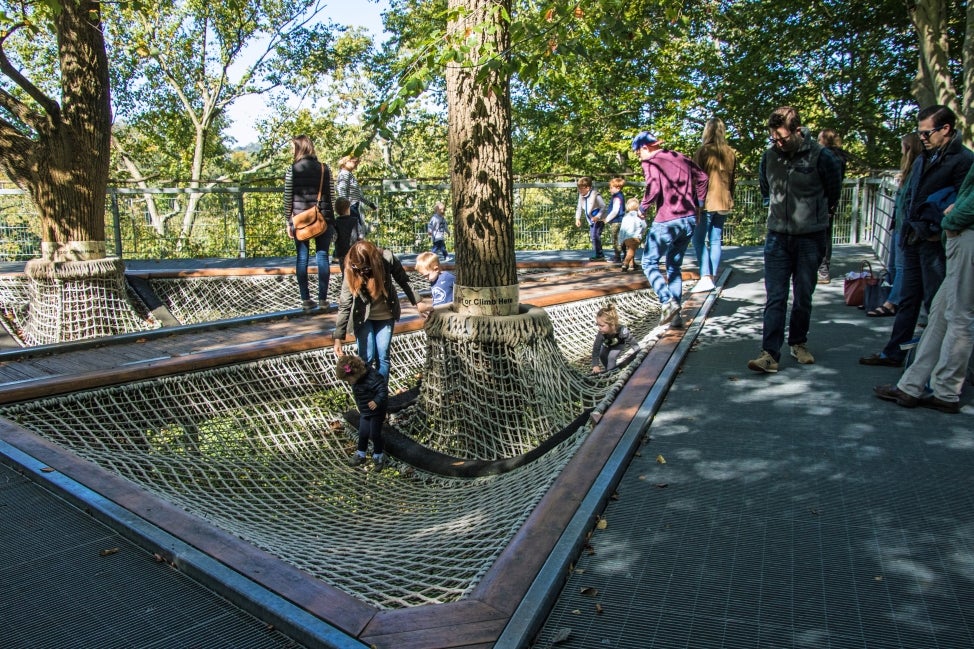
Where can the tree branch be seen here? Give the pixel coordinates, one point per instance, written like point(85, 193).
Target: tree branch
point(50, 106)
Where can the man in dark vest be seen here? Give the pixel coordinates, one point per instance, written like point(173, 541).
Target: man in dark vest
point(800, 183)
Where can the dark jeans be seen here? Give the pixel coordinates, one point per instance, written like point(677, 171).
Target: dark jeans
point(370, 428)
point(790, 259)
point(924, 268)
point(595, 234)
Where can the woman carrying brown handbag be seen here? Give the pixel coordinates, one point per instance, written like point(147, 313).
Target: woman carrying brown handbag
point(302, 183)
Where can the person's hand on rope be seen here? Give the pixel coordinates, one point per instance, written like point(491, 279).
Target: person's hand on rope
point(596, 369)
point(337, 347)
point(424, 309)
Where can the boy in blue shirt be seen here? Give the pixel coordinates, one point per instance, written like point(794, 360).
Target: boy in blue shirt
point(441, 281)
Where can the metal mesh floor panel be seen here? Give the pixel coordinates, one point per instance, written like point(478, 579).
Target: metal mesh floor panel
point(51, 553)
point(792, 510)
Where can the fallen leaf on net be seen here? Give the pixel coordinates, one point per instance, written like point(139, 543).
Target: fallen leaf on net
point(602, 524)
point(588, 591)
point(598, 608)
point(108, 551)
point(562, 635)
point(660, 459)
point(577, 611)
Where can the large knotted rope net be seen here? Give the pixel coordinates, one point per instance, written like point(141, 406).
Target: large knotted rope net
point(56, 302)
point(260, 450)
point(54, 306)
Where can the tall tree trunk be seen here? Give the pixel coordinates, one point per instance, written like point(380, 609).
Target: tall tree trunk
point(480, 150)
point(73, 164)
point(933, 83)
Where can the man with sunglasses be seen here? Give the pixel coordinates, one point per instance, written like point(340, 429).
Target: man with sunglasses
point(932, 187)
point(800, 183)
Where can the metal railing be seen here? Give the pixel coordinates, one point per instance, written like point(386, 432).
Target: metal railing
point(246, 221)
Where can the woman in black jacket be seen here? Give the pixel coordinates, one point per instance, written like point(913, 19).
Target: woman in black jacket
point(301, 186)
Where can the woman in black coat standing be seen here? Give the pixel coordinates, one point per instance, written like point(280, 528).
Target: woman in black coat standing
point(301, 187)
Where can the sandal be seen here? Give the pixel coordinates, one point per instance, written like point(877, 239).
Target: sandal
point(882, 311)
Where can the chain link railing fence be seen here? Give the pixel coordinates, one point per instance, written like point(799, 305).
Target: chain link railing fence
point(246, 221)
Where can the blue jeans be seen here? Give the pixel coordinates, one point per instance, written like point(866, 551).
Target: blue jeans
point(790, 259)
point(374, 338)
point(707, 241)
point(669, 239)
point(595, 234)
point(924, 268)
point(321, 259)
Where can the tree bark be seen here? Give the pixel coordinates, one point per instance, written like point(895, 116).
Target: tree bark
point(480, 154)
point(63, 163)
point(933, 83)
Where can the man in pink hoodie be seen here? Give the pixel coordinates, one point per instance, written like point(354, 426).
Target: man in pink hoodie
point(677, 188)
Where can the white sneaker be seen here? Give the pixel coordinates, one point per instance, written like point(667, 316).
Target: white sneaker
point(705, 285)
point(669, 311)
point(764, 363)
point(801, 353)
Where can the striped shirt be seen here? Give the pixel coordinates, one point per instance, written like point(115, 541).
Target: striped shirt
point(348, 187)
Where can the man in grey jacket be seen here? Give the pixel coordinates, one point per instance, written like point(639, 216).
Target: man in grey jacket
point(800, 183)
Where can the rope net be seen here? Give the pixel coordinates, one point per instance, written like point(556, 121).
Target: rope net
point(259, 449)
point(76, 300)
point(52, 307)
point(193, 300)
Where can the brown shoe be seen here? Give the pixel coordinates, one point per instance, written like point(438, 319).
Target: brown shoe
point(950, 407)
point(876, 359)
point(893, 393)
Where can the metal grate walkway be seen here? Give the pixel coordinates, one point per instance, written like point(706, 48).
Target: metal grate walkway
point(793, 509)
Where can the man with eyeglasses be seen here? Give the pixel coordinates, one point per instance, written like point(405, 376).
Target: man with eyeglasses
point(800, 183)
point(933, 184)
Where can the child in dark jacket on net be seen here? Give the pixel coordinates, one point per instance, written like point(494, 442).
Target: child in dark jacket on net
point(372, 397)
point(612, 339)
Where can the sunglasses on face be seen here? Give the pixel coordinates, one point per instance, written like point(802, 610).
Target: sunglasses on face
point(926, 134)
point(361, 270)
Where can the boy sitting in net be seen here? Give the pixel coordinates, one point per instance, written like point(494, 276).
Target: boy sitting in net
point(441, 281)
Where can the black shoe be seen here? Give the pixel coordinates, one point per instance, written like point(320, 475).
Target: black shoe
point(893, 393)
point(932, 402)
point(876, 359)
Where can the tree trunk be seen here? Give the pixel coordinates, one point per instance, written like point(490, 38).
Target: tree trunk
point(73, 175)
point(933, 83)
point(480, 154)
